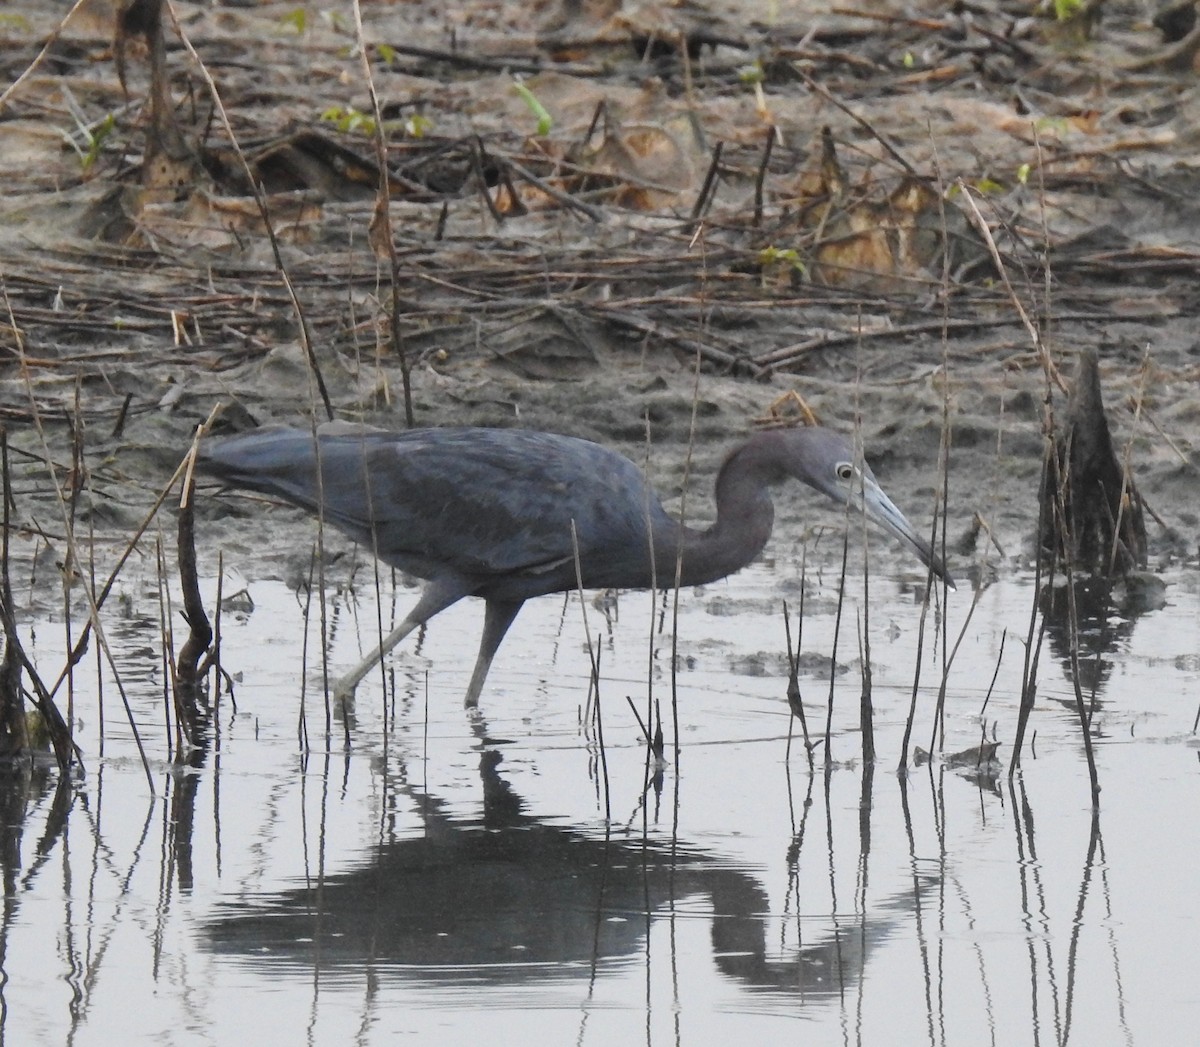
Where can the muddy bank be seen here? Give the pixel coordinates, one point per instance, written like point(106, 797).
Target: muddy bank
point(576, 275)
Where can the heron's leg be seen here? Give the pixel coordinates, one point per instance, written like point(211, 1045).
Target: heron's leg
point(436, 597)
point(497, 617)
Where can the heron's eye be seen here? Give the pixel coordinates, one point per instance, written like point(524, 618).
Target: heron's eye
point(844, 470)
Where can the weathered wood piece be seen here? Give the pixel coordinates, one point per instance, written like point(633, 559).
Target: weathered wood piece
point(1093, 514)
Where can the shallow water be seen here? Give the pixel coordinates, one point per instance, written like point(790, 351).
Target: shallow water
point(453, 878)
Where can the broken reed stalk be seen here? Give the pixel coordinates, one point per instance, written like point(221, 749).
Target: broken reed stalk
point(939, 508)
point(995, 675)
point(218, 674)
point(678, 580)
point(916, 683)
point(761, 176)
point(78, 477)
point(100, 716)
point(302, 719)
point(322, 606)
point(653, 631)
point(652, 773)
point(167, 654)
point(938, 734)
point(376, 566)
point(837, 630)
point(866, 709)
point(794, 698)
point(1128, 498)
point(1033, 650)
point(707, 190)
point(14, 728)
point(1065, 526)
point(188, 677)
point(594, 685)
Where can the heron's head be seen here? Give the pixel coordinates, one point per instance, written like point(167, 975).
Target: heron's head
point(831, 463)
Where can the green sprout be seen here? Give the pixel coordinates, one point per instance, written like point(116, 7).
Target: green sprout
point(349, 120)
point(89, 137)
point(752, 73)
point(95, 141)
point(1055, 124)
point(544, 120)
point(417, 126)
point(780, 257)
point(776, 255)
point(296, 19)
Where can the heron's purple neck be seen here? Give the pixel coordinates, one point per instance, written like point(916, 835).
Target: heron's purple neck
point(745, 515)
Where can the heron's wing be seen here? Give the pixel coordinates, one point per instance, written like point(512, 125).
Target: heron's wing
point(497, 502)
point(481, 502)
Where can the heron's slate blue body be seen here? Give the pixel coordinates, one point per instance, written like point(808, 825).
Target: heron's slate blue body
point(499, 513)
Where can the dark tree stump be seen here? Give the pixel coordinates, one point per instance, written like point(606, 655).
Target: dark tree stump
point(1093, 516)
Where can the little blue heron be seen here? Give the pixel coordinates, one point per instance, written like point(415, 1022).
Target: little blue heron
point(509, 514)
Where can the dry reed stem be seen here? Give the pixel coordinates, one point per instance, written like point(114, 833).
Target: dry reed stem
point(594, 686)
point(260, 199)
point(382, 220)
point(1039, 346)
